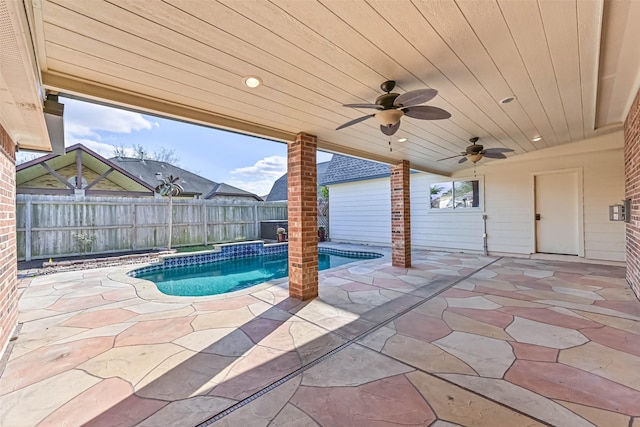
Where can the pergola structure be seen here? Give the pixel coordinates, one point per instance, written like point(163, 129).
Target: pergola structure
point(571, 69)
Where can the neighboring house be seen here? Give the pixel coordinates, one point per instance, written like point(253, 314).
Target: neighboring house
point(80, 171)
point(229, 191)
point(501, 195)
point(194, 185)
point(358, 216)
point(280, 187)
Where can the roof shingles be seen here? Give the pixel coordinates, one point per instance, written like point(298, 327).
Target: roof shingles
point(192, 183)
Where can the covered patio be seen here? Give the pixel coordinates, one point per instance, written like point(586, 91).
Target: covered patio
point(453, 340)
point(423, 338)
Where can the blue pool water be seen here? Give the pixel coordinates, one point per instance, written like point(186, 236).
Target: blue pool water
point(232, 275)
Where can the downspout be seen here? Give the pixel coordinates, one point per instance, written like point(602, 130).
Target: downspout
point(485, 245)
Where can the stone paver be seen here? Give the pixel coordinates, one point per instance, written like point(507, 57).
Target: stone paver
point(519, 343)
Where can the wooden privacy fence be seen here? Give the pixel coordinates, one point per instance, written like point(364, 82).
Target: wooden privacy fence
point(53, 226)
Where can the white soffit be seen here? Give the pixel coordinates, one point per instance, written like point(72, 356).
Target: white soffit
point(186, 60)
point(620, 62)
point(20, 90)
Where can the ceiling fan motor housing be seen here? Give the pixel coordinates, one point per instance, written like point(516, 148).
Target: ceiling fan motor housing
point(386, 100)
point(474, 149)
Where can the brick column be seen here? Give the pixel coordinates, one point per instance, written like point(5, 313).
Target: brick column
point(303, 217)
point(8, 257)
point(400, 215)
point(632, 191)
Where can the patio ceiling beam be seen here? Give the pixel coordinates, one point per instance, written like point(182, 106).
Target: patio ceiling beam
point(85, 89)
point(335, 148)
point(78, 169)
point(119, 193)
point(100, 178)
point(57, 175)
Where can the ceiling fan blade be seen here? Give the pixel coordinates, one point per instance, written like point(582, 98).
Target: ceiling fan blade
point(376, 106)
point(354, 121)
point(462, 160)
point(415, 97)
point(390, 130)
point(426, 112)
point(494, 155)
point(498, 150)
point(452, 157)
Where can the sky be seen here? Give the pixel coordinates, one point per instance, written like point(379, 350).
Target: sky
point(249, 163)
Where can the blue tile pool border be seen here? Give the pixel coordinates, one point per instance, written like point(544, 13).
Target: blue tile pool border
point(225, 252)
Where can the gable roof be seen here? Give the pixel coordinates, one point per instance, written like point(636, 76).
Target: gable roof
point(229, 190)
point(347, 169)
point(26, 171)
point(280, 186)
point(193, 184)
point(146, 170)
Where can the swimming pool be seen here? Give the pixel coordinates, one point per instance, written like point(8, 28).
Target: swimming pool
point(220, 277)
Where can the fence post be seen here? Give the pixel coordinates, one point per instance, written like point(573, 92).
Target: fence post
point(256, 221)
point(27, 231)
point(204, 222)
point(134, 229)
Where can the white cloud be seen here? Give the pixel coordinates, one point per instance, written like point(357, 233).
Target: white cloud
point(271, 166)
point(259, 178)
point(83, 119)
point(105, 150)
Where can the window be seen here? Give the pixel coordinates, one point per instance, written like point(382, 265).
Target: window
point(455, 195)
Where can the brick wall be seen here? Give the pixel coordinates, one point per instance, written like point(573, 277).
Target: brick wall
point(8, 261)
point(303, 217)
point(400, 215)
point(632, 191)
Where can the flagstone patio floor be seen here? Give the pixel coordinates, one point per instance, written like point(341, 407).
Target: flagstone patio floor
point(454, 340)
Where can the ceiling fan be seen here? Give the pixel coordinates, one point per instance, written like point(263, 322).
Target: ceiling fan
point(475, 152)
point(392, 106)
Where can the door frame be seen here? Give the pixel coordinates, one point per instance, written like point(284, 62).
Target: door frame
point(580, 218)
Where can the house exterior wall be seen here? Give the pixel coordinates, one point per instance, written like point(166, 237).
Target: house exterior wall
point(632, 191)
point(511, 208)
point(8, 263)
point(360, 211)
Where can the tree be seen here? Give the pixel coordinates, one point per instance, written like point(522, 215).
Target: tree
point(166, 155)
point(324, 192)
point(169, 187)
point(24, 157)
point(119, 151)
point(141, 152)
point(436, 189)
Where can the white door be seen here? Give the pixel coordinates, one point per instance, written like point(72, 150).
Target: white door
point(557, 213)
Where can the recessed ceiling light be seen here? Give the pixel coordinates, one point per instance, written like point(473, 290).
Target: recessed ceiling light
point(403, 139)
point(507, 100)
point(537, 138)
point(252, 81)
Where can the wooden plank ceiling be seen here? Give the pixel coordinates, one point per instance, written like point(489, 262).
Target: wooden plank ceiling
point(187, 59)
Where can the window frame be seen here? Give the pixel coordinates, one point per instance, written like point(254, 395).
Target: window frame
point(453, 181)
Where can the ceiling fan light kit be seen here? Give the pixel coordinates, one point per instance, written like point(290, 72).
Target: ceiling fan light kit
point(389, 117)
point(393, 106)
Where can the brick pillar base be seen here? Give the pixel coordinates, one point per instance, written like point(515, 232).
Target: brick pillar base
point(400, 215)
point(303, 218)
point(8, 260)
point(632, 191)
